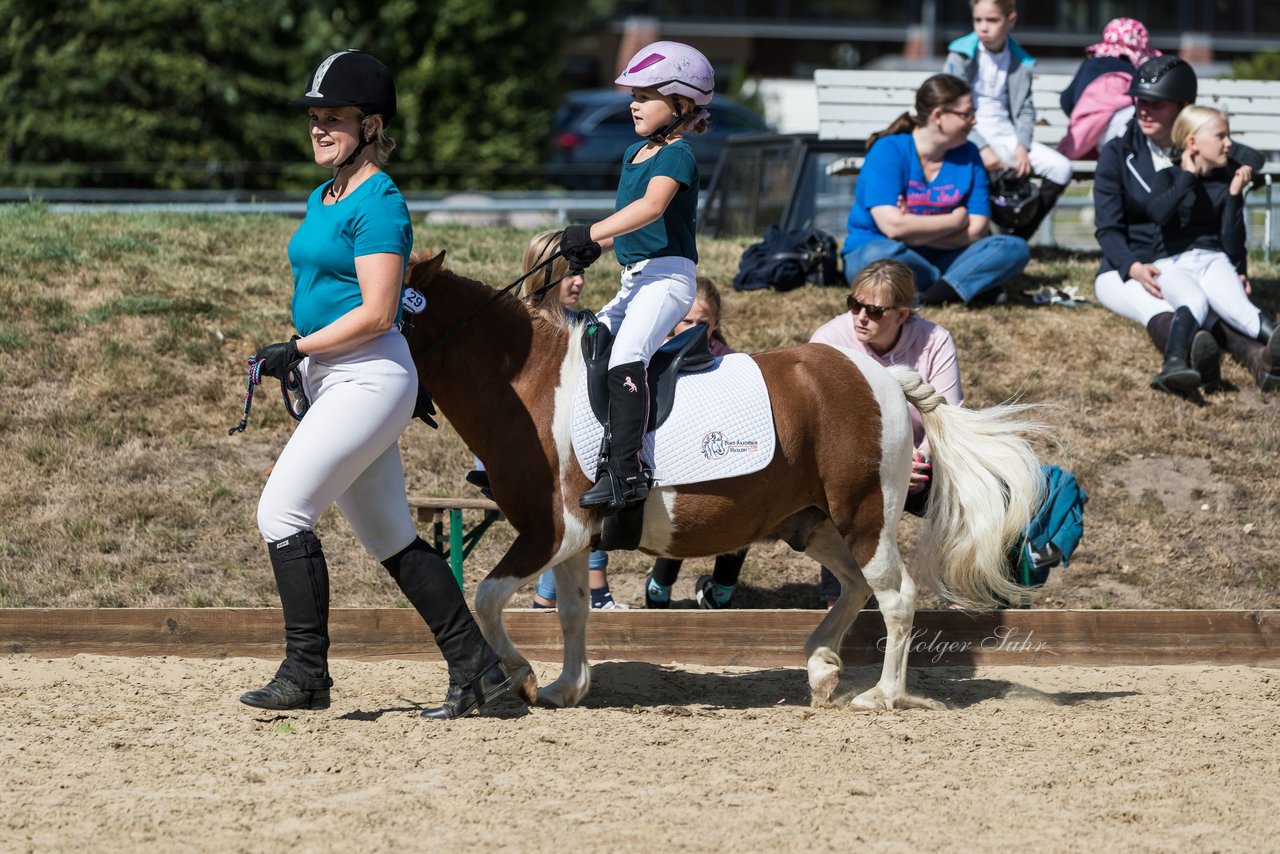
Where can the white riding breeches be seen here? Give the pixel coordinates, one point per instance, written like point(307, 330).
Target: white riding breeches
point(1206, 281)
point(1202, 280)
point(345, 448)
point(1128, 298)
point(655, 295)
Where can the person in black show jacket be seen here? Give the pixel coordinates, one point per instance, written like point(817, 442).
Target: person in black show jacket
point(1133, 242)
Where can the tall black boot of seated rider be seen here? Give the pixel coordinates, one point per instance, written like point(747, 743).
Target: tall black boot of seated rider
point(623, 480)
point(1177, 376)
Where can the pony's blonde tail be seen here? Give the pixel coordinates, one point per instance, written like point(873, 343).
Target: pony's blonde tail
point(987, 483)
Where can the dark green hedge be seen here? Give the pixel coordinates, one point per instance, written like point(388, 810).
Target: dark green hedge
point(176, 94)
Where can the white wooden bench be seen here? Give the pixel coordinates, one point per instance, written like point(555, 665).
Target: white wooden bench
point(854, 104)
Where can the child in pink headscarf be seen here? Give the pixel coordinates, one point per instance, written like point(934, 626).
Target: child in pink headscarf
point(1096, 100)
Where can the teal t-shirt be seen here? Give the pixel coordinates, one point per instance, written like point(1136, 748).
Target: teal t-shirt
point(323, 251)
point(672, 233)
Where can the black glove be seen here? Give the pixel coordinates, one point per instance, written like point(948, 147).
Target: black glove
point(279, 359)
point(578, 248)
point(425, 408)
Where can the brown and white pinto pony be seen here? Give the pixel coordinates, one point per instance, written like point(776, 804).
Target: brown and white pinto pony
point(834, 489)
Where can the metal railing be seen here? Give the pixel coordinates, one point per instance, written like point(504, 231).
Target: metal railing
point(551, 205)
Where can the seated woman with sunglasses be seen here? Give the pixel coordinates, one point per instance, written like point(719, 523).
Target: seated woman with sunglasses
point(881, 323)
point(922, 199)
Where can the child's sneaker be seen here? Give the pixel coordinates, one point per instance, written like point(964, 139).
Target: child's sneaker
point(649, 600)
point(707, 598)
point(611, 605)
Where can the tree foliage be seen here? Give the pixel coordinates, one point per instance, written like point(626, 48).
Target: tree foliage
point(1264, 65)
point(169, 93)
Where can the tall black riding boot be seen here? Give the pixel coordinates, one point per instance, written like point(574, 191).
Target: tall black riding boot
point(1260, 356)
point(302, 577)
point(1049, 195)
point(623, 479)
point(1269, 335)
point(475, 675)
point(1177, 376)
point(1205, 358)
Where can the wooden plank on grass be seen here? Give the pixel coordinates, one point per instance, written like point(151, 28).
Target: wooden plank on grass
point(748, 638)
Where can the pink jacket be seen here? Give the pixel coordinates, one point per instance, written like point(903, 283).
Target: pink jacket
point(1101, 99)
point(923, 346)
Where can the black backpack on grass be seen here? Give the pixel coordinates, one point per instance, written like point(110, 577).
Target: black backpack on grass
point(788, 259)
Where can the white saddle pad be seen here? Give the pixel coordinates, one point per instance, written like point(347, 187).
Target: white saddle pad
point(721, 425)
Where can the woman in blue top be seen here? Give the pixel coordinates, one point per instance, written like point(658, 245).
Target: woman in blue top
point(652, 233)
point(921, 199)
point(349, 257)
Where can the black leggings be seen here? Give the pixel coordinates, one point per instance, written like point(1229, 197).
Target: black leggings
point(728, 567)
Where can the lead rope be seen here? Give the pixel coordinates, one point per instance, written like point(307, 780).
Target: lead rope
point(293, 385)
point(544, 264)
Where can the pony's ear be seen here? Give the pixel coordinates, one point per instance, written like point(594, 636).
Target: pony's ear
point(423, 270)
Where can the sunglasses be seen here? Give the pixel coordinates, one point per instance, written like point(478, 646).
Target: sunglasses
point(875, 312)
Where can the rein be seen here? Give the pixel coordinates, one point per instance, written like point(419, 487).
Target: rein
point(543, 264)
point(291, 386)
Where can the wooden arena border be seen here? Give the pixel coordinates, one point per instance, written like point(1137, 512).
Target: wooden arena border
point(749, 638)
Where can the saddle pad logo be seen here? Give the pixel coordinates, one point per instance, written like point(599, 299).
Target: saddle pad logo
point(715, 446)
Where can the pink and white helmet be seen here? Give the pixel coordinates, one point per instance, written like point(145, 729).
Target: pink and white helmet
point(673, 69)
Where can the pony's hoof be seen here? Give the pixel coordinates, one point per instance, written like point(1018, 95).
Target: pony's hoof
point(524, 685)
point(876, 700)
point(824, 677)
point(823, 690)
point(553, 698)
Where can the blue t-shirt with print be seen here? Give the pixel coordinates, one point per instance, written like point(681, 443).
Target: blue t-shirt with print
point(892, 169)
point(672, 233)
point(323, 251)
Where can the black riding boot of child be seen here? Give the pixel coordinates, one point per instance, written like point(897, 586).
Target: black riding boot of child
point(622, 479)
point(1260, 356)
point(475, 675)
point(1177, 376)
point(302, 577)
point(1269, 335)
point(1205, 355)
point(1049, 195)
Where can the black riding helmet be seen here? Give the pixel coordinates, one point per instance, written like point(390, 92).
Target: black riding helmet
point(1015, 201)
point(1164, 78)
point(350, 78)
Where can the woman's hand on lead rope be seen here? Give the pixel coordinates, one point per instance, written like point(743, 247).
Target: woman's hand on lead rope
point(279, 359)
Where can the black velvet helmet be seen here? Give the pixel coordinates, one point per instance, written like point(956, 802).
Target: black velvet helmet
point(350, 78)
point(1164, 78)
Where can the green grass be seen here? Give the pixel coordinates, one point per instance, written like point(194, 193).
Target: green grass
point(124, 339)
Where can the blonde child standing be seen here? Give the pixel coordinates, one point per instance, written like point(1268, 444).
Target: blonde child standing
point(652, 234)
point(999, 71)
